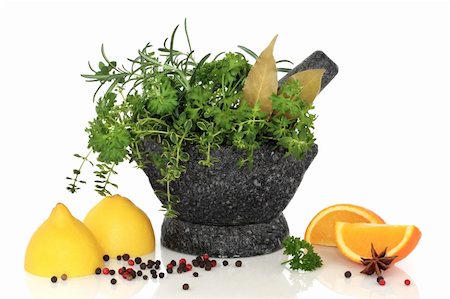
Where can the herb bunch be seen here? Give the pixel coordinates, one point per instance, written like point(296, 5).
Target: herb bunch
point(302, 254)
point(169, 96)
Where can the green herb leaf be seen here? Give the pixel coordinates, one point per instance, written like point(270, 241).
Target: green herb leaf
point(302, 254)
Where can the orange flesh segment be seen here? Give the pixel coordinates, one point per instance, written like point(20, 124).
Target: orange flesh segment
point(320, 230)
point(354, 239)
point(324, 228)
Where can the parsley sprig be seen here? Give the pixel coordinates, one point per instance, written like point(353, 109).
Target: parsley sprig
point(302, 254)
point(169, 96)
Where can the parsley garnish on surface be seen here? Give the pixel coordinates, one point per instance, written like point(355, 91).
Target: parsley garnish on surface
point(302, 253)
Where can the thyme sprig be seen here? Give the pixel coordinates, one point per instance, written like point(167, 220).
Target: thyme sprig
point(167, 95)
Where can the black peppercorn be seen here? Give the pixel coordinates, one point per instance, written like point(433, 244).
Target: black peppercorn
point(179, 270)
point(185, 286)
point(64, 276)
point(106, 257)
point(225, 263)
point(145, 277)
point(195, 263)
point(139, 273)
point(98, 271)
point(208, 267)
point(119, 257)
point(113, 281)
point(156, 266)
point(348, 274)
point(138, 260)
point(201, 264)
point(153, 272)
point(195, 274)
point(154, 276)
point(126, 257)
point(169, 270)
point(161, 275)
point(143, 266)
point(54, 279)
point(173, 263)
point(158, 262)
point(238, 263)
point(112, 272)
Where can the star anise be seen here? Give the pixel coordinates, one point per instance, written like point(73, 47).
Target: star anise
point(377, 263)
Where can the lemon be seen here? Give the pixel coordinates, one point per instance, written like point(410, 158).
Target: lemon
point(121, 227)
point(63, 245)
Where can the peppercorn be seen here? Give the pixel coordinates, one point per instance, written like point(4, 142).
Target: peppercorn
point(126, 257)
point(348, 274)
point(64, 276)
point(201, 264)
point(379, 278)
point(113, 281)
point(119, 257)
point(188, 267)
point(169, 270)
point(182, 261)
point(105, 271)
point(139, 273)
point(407, 282)
point(225, 263)
point(54, 279)
point(199, 258)
point(185, 286)
point(150, 264)
point(158, 262)
point(161, 275)
point(195, 274)
point(238, 263)
point(213, 263)
point(121, 270)
point(205, 257)
point(145, 277)
point(169, 266)
point(173, 263)
point(106, 257)
point(382, 282)
point(131, 262)
point(157, 267)
point(143, 266)
point(154, 276)
point(179, 270)
point(208, 267)
point(112, 272)
point(153, 272)
point(98, 271)
point(195, 263)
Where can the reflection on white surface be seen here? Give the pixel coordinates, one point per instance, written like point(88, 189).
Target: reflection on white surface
point(261, 277)
point(362, 285)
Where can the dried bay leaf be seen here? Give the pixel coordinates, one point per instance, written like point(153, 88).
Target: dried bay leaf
point(261, 81)
point(310, 81)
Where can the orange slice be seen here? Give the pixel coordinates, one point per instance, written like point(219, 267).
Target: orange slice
point(354, 239)
point(320, 230)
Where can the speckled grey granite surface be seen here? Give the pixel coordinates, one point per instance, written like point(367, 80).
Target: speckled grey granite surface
point(316, 60)
point(225, 194)
point(232, 212)
point(224, 241)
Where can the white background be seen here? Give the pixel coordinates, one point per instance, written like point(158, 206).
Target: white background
point(383, 131)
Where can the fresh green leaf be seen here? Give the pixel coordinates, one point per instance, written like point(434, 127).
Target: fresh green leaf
point(302, 254)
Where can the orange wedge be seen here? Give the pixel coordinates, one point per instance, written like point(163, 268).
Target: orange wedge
point(354, 239)
point(320, 230)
